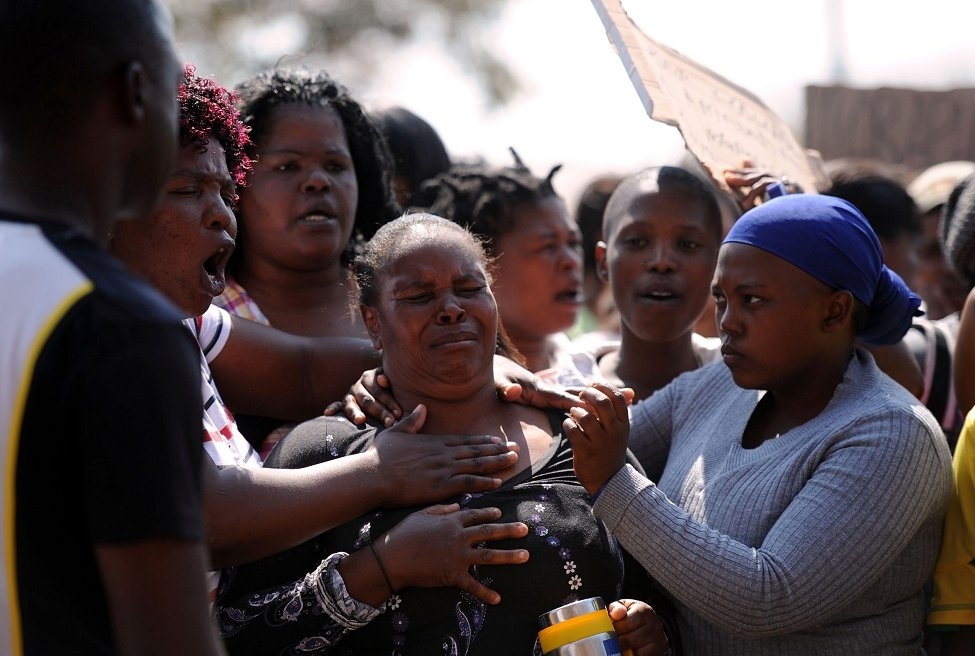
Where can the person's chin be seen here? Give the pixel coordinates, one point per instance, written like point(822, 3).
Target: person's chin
point(199, 305)
point(562, 316)
point(744, 378)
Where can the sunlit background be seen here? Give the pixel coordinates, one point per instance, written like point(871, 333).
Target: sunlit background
point(558, 92)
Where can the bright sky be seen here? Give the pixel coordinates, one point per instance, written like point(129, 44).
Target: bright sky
point(579, 107)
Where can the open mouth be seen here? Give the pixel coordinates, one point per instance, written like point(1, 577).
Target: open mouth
point(569, 296)
point(317, 217)
point(215, 267)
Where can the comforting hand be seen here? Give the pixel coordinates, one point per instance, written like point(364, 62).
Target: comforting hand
point(640, 631)
point(598, 432)
point(515, 383)
point(436, 547)
point(369, 396)
point(418, 469)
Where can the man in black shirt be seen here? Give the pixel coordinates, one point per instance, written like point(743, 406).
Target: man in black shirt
point(103, 548)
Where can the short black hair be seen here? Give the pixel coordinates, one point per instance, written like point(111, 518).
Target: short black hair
point(589, 215)
point(419, 153)
point(663, 178)
point(880, 197)
point(57, 55)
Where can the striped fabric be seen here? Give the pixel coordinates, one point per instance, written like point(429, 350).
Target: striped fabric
point(225, 445)
point(222, 441)
point(237, 301)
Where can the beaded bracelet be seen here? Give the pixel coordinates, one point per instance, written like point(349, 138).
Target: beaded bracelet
point(382, 568)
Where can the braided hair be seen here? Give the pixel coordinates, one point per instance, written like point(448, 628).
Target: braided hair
point(484, 199)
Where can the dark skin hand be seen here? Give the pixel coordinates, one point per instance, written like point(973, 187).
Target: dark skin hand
point(638, 628)
point(371, 395)
point(463, 467)
point(749, 184)
point(434, 547)
point(598, 432)
point(635, 622)
point(392, 472)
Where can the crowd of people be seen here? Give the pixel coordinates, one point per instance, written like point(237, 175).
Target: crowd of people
point(434, 402)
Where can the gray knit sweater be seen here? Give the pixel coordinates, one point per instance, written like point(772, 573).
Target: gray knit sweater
point(817, 542)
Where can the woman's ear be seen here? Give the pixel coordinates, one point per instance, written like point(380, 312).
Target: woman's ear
point(370, 317)
point(839, 310)
point(601, 268)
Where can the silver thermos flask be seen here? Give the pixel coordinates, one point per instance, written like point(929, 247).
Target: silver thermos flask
point(581, 628)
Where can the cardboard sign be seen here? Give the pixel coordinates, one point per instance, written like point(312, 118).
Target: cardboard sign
point(720, 122)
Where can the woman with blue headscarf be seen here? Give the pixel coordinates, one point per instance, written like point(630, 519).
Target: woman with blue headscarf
point(796, 493)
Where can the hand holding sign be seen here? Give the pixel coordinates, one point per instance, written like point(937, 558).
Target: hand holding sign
point(721, 123)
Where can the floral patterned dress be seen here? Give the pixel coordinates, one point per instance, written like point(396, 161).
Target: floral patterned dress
point(572, 557)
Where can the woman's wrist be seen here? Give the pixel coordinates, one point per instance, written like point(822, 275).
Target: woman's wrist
point(338, 601)
point(364, 579)
point(382, 567)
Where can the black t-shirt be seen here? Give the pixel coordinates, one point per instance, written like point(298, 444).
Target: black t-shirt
point(101, 400)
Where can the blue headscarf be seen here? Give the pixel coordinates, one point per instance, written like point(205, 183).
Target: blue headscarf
point(830, 239)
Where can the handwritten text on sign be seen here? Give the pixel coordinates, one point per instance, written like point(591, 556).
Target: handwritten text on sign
point(721, 123)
